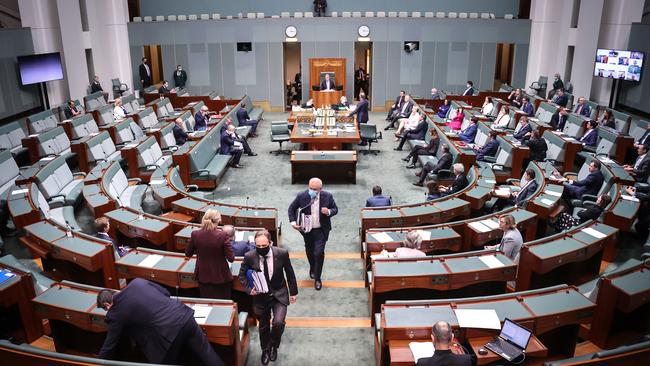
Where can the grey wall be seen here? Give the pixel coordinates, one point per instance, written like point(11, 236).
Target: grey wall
point(15, 98)
point(637, 95)
point(275, 7)
point(452, 51)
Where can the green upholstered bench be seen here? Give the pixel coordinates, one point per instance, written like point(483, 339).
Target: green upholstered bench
point(11, 136)
point(147, 118)
point(101, 148)
point(130, 103)
point(115, 182)
point(42, 121)
point(255, 113)
point(94, 101)
point(57, 183)
point(83, 125)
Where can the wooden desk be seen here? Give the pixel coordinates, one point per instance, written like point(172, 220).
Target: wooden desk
point(327, 98)
point(31, 143)
point(330, 166)
point(153, 230)
point(172, 215)
point(535, 349)
point(320, 139)
point(19, 291)
point(401, 355)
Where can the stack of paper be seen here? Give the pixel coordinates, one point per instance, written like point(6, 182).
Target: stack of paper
point(425, 234)
point(491, 224)
point(201, 313)
point(150, 260)
point(593, 232)
point(629, 198)
point(491, 261)
point(552, 193)
point(478, 318)
point(382, 237)
point(421, 350)
point(478, 226)
point(547, 202)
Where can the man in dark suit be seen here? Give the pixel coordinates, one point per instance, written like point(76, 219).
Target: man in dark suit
point(469, 133)
point(277, 271)
point(361, 110)
point(417, 133)
point(645, 139)
point(590, 185)
point(360, 79)
point(431, 148)
point(245, 120)
point(470, 89)
point(247, 149)
point(524, 131)
point(327, 84)
point(377, 200)
point(180, 77)
point(640, 170)
point(557, 85)
point(490, 148)
point(145, 73)
point(519, 198)
point(590, 137)
point(96, 86)
point(163, 328)
point(558, 119)
point(230, 146)
point(527, 107)
point(179, 135)
point(442, 337)
point(320, 6)
point(164, 88)
point(102, 225)
point(404, 111)
point(397, 105)
point(201, 119)
point(435, 95)
point(239, 247)
point(318, 207)
point(460, 182)
point(537, 146)
point(560, 98)
point(582, 108)
point(444, 162)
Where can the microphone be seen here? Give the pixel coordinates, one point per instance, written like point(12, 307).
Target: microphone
point(247, 200)
point(68, 233)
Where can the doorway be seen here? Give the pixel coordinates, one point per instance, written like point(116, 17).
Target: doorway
point(153, 54)
point(503, 66)
point(362, 69)
point(292, 74)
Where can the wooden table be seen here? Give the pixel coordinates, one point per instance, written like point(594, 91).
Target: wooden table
point(324, 138)
point(330, 166)
point(327, 98)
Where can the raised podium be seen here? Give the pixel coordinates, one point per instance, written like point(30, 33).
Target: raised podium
point(326, 98)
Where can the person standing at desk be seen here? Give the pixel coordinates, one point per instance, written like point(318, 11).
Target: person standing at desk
point(443, 337)
point(274, 262)
point(161, 327)
point(318, 207)
point(145, 73)
point(361, 110)
point(213, 252)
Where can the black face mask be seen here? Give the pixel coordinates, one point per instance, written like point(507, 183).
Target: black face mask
point(263, 251)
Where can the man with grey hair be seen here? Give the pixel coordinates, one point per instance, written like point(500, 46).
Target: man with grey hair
point(239, 247)
point(442, 337)
point(460, 182)
point(310, 213)
point(201, 119)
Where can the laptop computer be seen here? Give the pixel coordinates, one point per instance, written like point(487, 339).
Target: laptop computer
point(511, 342)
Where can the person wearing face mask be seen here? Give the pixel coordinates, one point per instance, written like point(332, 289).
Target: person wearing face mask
point(201, 119)
point(272, 265)
point(470, 89)
point(180, 77)
point(557, 85)
point(145, 73)
point(310, 213)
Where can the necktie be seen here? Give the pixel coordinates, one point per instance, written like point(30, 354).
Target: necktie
point(266, 273)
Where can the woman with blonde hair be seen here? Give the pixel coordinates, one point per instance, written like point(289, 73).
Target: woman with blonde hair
point(512, 240)
point(410, 247)
point(119, 112)
point(213, 252)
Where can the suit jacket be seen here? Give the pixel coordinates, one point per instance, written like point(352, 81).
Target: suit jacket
point(180, 80)
point(95, 87)
point(529, 109)
point(645, 139)
point(145, 312)
point(558, 84)
point(398, 102)
point(143, 74)
point(537, 148)
point(406, 110)
point(560, 100)
point(227, 144)
point(585, 111)
point(432, 146)
point(459, 183)
point(557, 121)
point(378, 201)
point(521, 134)
point(442, 111)
point(240, 248)
point(490, 149)
point(68, 112)
point(361, 111)
point(212, 249)
point(323, 85)
point(303, 201)
point(590, 185)
point(445, 358)
point(242, 116)
point(589, 213)
point(524, 194)
point(469, 91)
point(163, 90)
point(201, 122)
point(180, 135)
point(469, 134)
point(418, 132)
point(444, 162)
point(107, 237)
point(590, 138)
point(511, 244)
point(281, 268)
point(643, 171)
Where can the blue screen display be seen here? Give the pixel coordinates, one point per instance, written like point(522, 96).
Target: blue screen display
point(40, 68)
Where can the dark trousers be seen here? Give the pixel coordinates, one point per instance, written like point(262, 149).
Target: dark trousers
point(191, 339)
point(315, 250)
point(215, 291)
point(417, 151)
point(406, 136)
point(236, 156)
point(247, 148)
point(270, 332)
point(252, 123)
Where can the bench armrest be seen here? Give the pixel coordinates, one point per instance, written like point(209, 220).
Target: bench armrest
point(138, 180)
point(201, 172)
point(79, 174)
point(191, 188)
point(490, 159)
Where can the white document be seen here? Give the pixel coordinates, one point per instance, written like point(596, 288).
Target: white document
point(491, 261)
point(151, 260)
point(490, 181)
point(425, 234)
point(547, 202)
point(478, 318)
point(629, 198)
point(201, 313)
point(239, 235)
point(382, 237)
point(491, 224)
point(478, 226)
point(156, 182)
point(502, 192)
point(593, 232)
point(421, 350)
point(552, 193)
point(18, 191)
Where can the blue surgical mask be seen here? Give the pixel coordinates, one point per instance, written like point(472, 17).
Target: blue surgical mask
point(312, 193)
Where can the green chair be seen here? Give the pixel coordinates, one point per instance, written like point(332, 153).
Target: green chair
point(280, 133)
point(369, 134)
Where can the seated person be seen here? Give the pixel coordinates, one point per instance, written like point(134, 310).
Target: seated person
point(417, 133)
point(201, 118)
point(537, 147)
point(460, 182)
point(443, 109)
point(404, 111)
point(410, 247)
point(377, 200)
point(582, 108)
point(180, 135)
point(560, 98)
point(503, 118)
point(396, 106)
point(96, 86)
point(515, 98)
point(164, 88)
point(429, 149)
point(607, 119)
point(238, 247)
point(245, 120)
point(343, 104)
point(641, 168)
point(230, 146)
point(443, 338)
point(590, 185)
point(457, 121)
point(408, 123)
point(558, 119)
point(433, 191)
point(102, 225)
point(327, 84)
point(519, 198)
point(469, 133)
point(444, 162)
point(488, 106)
point(434, 94)
point(119, 112)
point(592, 212)
point(645, 139)
point(512, 241)
point(71, 110)
point(527, 107)
point(490, 148)
point(524, 131)
point(590, 137)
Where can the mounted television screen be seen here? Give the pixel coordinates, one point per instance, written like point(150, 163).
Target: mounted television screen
point(615, 64)
point(244, 46)
point(40, 68)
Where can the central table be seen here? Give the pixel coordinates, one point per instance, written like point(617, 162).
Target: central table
point(330, 166)
point(325, 137)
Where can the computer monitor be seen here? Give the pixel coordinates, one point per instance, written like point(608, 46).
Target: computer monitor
point(515, 333)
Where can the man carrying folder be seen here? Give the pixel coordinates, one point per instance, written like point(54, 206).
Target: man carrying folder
point(263, 275)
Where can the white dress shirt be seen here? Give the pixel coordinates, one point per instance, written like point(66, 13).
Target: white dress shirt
point(487, 109)
point(503, 121)
point(315, 212)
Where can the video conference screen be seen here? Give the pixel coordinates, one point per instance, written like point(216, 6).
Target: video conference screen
point(616, 64)
point(40, 68)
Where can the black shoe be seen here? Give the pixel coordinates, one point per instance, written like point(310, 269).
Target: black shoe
point(311, 275)
point(237, 166)
point(274, 354)
point(318, 285)
point(411, 166)
point(397, 149)
point(386, 128)
point(266, 357)
point(418, 184)
point(406, 159)
point(252, 154)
